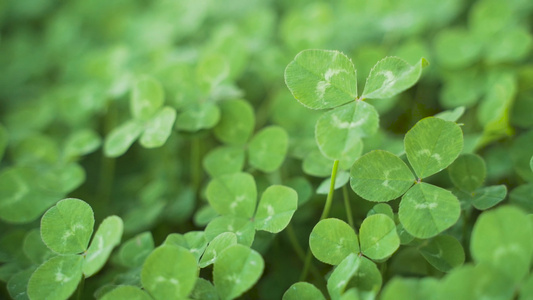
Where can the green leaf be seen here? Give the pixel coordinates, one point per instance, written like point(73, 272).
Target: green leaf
point(380, 176)
point(216, 246)
point(531, 163)
point(487, 197)
point(66, 228)
point(268, 148)
point(158, 129)
point(432, 145)
point(81, 142)
point(233, 194)
point(105, 239)
point(236, 270)
point(355, 270)
point(457, 48)
point(134, 251)
point(521, 196)
point(146, 98)
point(303, 290)
point(126, 292)
point(194, 241)
point(341, 179)
point(121, 138)
point(224, 160)
point(22, 198)
point(451, 115)
point(514, 45)
point(204, 290)
point(427, 210)
point(339, 130)
point(63, 178)
point(169, 272)
point(468, 172)
point(276, 207)
point(399, 288)
point(381, 208)
point(332, 240)
point(378, 237)
point(391, 76)
point(34, 247)
point(316, 164)
point(444, 252)
point(521, 152)
point(243, 228)
point(502, 237)
point(57, 278)
point(17, 286)
point(236, 123)
point(321, 79)
point(198, 116)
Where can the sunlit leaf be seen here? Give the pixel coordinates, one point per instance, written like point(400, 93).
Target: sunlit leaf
point(303, 290)
point(321, 79)
point(276, 207)
point(158, 129)
point(57, 278)
point(146, 98)
point(236, 270)
point(67, 227)
point(378, 237)
point(107, 236)
point(268, 148)
point(332, 240)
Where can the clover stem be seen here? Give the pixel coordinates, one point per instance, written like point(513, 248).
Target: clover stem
point(196, 164)
point(298, 249)
point(347, 206)
point(329, 199)
point(324, 215)
point(79, 291)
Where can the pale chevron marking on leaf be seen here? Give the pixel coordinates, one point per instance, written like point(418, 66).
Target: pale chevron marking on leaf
point(234, 204)
point(426, 205)
point(437, 157)
point(322, 85)
point(347, 125)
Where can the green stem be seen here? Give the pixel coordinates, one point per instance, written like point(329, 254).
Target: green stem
point(347, 206)
point(196, 164)
point(329, 199)
point(79, 291)
point(324, 215)
point(298, 249)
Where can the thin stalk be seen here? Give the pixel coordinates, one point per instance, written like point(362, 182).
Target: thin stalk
point(298, 249)
point(329, 199)
point(347, 206)
point(196, 164)
point(81, 285)
point(325, 213)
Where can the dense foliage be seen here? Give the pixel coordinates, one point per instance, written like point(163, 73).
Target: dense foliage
point(266, 149)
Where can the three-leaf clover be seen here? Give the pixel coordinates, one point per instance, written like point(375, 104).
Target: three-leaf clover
point(66, 229)
point(152, 122)
point(325, 79)
point(430, 146)
point(234, 197)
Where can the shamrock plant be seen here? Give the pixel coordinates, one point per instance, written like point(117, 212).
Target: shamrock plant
point(151, 121)
point(324, 79)
point(66, 230)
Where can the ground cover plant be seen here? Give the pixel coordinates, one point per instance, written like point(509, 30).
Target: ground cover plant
point(266, 149)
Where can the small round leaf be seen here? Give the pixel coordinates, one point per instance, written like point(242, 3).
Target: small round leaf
point(216, 246)
point(233, 194)
point(56, 279)
point(66, 228)
point(121, 138)
point(303, 290)
point(486, 197)
point(276, 207)
point(432, 145)
point(427, 210)
point(268, 148)
point(236, 123)
point(380, 176)
point(198, 116)
point(378, 237)
point(444, 252)
point(158, 129)
point(105, 239)
point(224, 160)
point(236, 270)
point(468, 172)
point(169, 272)
point(243, 228)
point(332, 240)
point(391, 76)
point(146, 98)
point(124, 292)
point(321, 79)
